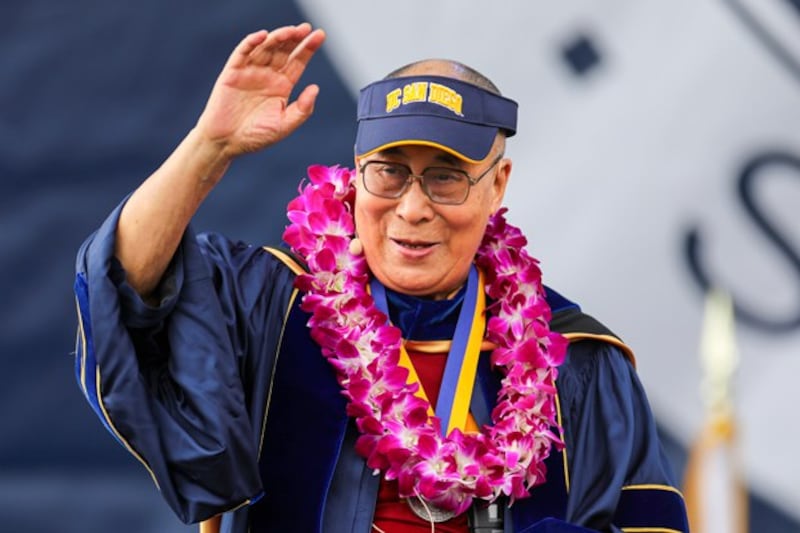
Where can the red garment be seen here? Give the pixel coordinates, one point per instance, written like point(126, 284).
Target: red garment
point(392, 514)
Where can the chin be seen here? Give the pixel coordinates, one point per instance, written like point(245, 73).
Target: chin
point(410, 286)
point(422, 290)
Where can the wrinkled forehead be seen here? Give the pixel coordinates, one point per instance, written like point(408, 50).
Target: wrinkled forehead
point(454, 116)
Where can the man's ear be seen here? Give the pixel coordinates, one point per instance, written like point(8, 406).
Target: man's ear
point(502, 175)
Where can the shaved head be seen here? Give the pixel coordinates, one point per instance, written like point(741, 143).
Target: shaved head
point(447, 68)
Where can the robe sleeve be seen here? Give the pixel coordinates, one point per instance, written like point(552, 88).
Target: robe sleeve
point(618, 474)
point(166, 380)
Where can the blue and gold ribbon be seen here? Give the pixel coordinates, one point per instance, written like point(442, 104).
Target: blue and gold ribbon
point(455, 392)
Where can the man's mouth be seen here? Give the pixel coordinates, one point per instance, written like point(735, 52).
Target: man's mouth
point(413, 245)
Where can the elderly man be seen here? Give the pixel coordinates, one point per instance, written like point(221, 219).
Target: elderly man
point(396, 369)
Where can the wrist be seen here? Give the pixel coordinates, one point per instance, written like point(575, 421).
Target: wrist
point(211, 156)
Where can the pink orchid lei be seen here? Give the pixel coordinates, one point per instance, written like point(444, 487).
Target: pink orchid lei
point(397, 435)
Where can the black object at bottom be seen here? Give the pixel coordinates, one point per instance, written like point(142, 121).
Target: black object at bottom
point(486, 517)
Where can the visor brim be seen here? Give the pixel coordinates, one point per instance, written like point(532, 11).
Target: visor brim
point(467, 141)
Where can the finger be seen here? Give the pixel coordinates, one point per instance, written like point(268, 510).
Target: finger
point(302, 54)
point(287, 44)
point(278, 46)
point(298, 111)
point(240, 54)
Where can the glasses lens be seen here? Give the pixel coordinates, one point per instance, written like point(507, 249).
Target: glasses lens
point(385, 179)
point(446, 185)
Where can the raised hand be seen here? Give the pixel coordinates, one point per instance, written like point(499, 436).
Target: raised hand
point(249, 107)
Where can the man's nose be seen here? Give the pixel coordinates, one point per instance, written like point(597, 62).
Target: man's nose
point(414, 205)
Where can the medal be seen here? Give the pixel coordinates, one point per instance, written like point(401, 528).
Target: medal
point(429, 512)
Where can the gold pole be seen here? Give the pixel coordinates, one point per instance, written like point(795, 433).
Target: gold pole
point(719, 361)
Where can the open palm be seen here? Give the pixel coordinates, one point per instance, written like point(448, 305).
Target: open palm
point(249, 106)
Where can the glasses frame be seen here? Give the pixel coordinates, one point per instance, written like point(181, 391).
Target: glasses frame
point(420, 177)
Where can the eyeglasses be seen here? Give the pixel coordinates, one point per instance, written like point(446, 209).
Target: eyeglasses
point(443, 185)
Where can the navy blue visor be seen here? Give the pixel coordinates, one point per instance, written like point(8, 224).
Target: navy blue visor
point(455, 116)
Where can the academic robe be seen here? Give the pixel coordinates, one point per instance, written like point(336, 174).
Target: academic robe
point(220, 392)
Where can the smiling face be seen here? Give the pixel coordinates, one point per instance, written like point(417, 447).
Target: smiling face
point(415, 246)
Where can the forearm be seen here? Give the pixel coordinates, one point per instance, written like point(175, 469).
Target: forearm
point(155, 217)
